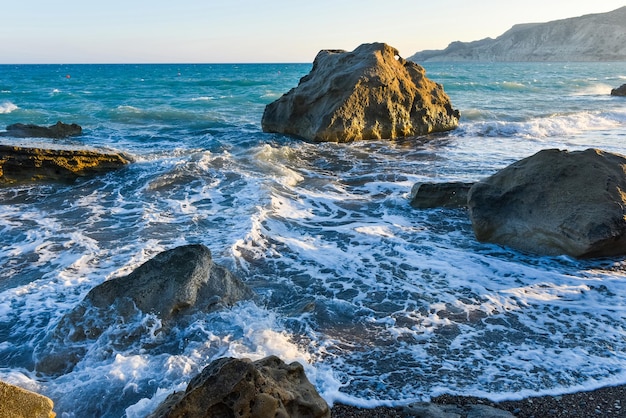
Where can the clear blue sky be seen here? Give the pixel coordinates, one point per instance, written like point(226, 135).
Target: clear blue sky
point(178, 31)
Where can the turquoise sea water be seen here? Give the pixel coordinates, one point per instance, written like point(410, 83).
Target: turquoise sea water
point(382, 303)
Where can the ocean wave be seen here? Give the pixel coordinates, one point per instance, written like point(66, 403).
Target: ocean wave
point(7, 107)
point(513, 85)
point(161, 115)
point(597, 89)
point(555, 125)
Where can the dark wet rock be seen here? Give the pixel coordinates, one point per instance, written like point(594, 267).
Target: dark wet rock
point(19, 165)
point(555, 202)
point(16, 402)
point(619, 91)
point(369, 93)
point(56, 131)
point(230, 387)
point(169, 287)
point(440, 195)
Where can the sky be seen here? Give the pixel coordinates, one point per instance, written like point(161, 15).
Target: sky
point(260, 31)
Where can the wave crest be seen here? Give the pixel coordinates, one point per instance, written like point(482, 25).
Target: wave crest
point(7, 107)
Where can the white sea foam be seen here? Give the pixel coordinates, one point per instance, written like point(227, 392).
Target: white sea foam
point(555, 125)
point(595, 90)
point(7, 107)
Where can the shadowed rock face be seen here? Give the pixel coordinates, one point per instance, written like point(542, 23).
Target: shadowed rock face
point(231, 387)
point(440, 195)
point(20, 165)
point(555, 202)
point(56, 131)
point(135, 309)
point(369, 93)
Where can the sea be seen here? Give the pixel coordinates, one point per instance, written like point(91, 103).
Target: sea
point(383, 304)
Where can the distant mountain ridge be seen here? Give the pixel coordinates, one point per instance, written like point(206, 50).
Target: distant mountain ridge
point(592, 37)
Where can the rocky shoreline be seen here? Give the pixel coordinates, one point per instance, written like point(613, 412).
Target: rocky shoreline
point(606, 402)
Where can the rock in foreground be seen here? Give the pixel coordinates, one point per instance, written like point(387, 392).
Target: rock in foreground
point(16, 402)
point(555, 202)
point(56, 131)
point(369, 93)
point(19, 165)
point(241, 388)
point(138, 307)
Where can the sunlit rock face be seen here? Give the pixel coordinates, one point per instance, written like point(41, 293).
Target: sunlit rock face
point(17, 402)
point(20, 165)
point(369, 93)
point(230, 387)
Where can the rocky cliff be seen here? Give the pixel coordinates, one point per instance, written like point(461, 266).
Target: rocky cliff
point(593, 37)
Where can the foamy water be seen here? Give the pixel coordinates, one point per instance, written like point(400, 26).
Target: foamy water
point(382, 303)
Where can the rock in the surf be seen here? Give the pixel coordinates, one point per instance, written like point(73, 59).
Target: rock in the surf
point(16, 402)
point(56, 131)
point(619, 91)
point(230, 387)
point(20, 165)
point(150, 300)
point(440, 195)
point(369, 93)
point(555, 202)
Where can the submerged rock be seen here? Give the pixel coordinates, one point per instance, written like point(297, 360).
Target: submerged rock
point(440, 195)
point(619, 91)
point(19, 165)
point(230, 387)
point(168, 287)
point(16, 402)
point(56, 131)
point(369, 93)
point(555, 202)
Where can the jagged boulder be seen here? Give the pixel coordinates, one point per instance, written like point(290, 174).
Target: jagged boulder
point(619, 91)
point(19, 165)
point(16, 402)
point(170, 287)
point(56, 131)
point(555, 202)
point(369, 93)
point(230, 387)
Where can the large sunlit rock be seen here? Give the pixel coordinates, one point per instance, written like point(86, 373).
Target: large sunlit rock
point(369, 93)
